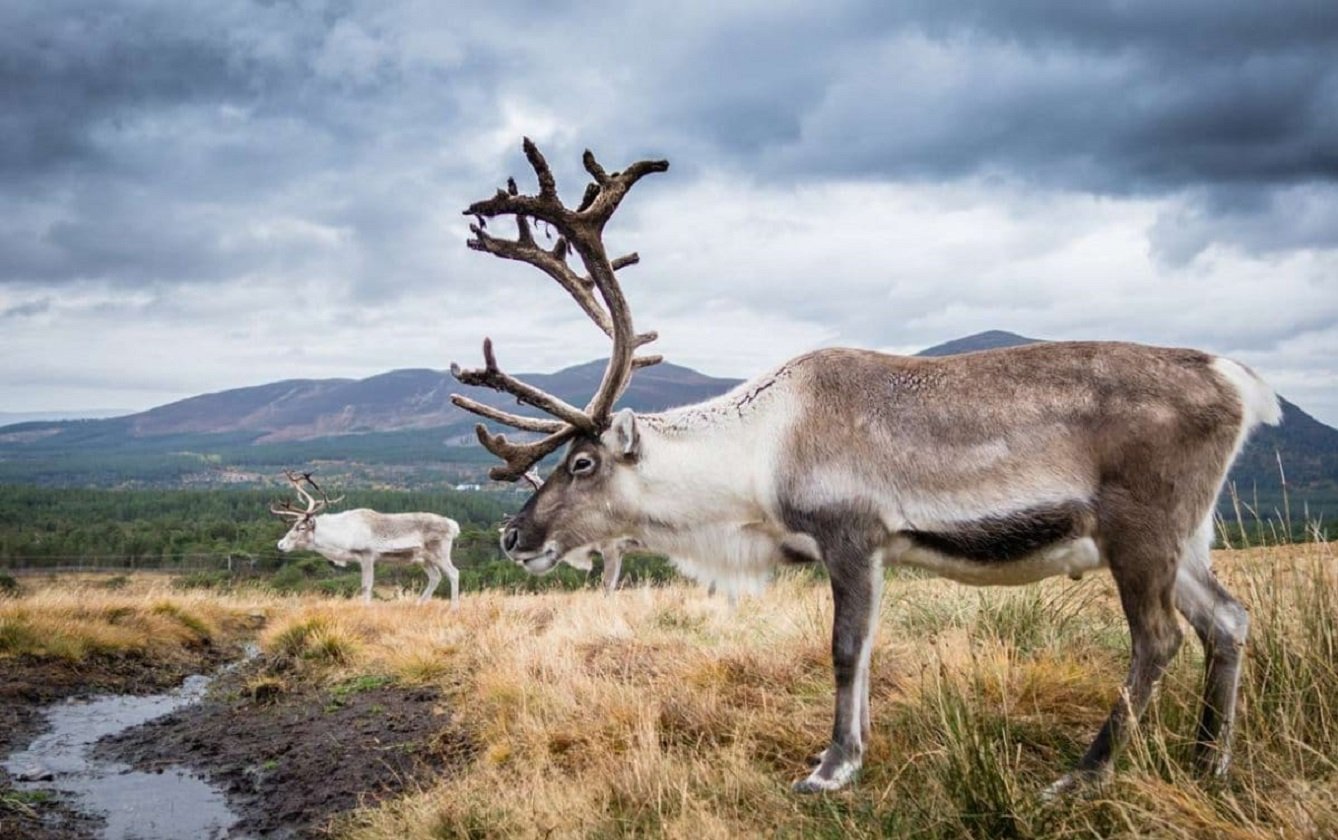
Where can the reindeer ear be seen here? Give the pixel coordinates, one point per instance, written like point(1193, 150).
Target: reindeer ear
point(625, 442)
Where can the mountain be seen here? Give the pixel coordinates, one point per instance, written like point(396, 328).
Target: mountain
point(382, 429)
point(401, 424)
point(304, 409)
point(988, 340)
point(10, 418)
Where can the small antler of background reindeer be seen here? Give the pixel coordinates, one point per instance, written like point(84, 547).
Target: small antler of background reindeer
point(286, 508)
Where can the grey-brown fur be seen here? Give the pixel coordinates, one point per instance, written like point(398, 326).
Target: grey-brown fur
point(1146, 434)
point(986, 461)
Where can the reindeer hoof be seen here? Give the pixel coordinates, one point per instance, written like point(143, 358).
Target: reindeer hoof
point(819, 784)
point(807, 786)
point(827, 777)
point(1072, 782)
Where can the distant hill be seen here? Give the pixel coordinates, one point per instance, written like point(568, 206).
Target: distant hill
point(9, 418)
point(401, 428)
point(988, 340)
point(307, 409)
point(395, 428)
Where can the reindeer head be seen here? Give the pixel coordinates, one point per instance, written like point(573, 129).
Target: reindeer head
point(591, 496)
point(303, 530)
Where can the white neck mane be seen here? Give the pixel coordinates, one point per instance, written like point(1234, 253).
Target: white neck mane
point(707, 475)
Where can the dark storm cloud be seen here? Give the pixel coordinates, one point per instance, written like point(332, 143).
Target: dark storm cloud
point(1115, 97)
point(161, 142)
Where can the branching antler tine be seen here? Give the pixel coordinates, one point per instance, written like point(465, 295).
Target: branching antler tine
point(516, 421)
point(296, 481)
point(325, 501)
point(588, 198)
point(625, 261)
point(614, 189)
point(547, 185)
point(553, 263)
point(494, 377)
point(645, 338)
point(592, 166)
point(523, 234)
point(646, 361)
point(519, 457)
point(286, 509)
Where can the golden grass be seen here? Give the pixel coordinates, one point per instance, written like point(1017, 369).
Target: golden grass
point(73, 620)
point(659, 712)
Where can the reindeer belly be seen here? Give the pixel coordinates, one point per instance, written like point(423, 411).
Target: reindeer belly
point(1072, 558)
point(1020, 547)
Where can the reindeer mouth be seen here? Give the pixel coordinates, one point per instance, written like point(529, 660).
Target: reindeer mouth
point(538, 562)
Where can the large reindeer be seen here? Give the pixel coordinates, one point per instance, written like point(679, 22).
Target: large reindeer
point(365, 536)
point(999, 467)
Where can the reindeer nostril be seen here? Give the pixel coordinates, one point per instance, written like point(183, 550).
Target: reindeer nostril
point(509, 539)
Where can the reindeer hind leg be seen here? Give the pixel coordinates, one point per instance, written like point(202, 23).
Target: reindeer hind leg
point(1222, 625)
point(433, 579)
point(1145, 574)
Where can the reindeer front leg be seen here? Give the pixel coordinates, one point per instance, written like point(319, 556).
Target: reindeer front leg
point(368, 563)
point(856, 571)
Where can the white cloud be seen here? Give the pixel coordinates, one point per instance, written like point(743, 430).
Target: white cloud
point(200, 198)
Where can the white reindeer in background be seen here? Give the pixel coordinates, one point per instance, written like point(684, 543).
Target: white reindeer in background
point(999, 467)
point(611, 553)
point(365, 536)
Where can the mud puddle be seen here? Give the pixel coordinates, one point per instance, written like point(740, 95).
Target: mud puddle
point(171, 803)
point(296, 757)
point(289, 761)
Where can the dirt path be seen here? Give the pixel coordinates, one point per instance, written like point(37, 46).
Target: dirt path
point(291, 761)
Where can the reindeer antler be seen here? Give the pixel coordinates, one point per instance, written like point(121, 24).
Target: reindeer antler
point(580, 230)
point(314, 507)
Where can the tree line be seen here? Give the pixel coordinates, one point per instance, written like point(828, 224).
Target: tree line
point(217, 536)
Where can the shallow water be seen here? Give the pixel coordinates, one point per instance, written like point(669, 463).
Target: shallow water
point(144, 806)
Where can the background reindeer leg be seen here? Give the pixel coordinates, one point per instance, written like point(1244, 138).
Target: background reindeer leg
point(613, 566)
point(452, 574)
point(428, 557)
point(368, 563)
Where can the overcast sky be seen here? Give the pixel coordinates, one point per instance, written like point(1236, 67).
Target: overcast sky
point(198, 196)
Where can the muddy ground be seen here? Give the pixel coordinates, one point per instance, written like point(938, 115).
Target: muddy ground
point(291, 759)
point(27, 684)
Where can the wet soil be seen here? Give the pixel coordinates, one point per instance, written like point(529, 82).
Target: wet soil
point(27, 684)
point(291, 758)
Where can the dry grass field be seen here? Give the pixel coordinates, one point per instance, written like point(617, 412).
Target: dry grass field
point(661, 712)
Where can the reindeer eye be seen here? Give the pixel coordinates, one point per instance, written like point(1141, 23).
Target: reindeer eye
point(582, 465)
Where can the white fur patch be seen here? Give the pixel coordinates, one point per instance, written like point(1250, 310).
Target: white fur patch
point(1257, 398)
point(841, 776)
point(739, 560)
point(1072, 558)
